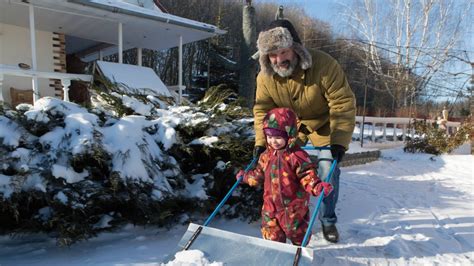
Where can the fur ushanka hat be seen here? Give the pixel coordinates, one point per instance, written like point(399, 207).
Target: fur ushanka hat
point(281, 34)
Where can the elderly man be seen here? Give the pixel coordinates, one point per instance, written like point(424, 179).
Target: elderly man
point(313, 85)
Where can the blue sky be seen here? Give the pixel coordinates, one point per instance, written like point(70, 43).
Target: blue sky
point(320, 9)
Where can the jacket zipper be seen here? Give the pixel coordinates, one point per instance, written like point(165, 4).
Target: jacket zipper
point(279, 187)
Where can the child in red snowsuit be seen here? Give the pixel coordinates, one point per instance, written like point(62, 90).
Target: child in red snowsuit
point(288, 177)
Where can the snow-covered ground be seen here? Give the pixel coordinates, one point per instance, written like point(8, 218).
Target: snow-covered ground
point(405, 209)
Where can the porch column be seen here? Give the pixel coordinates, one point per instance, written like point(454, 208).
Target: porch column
point(180, 68)
point(139, 56)
point(384, 131)
point(34, 80)
point(395, 136)
point(373, 132)
point(404, 132)
point(120, 43)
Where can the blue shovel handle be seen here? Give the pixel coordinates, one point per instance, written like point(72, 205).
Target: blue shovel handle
point(213, 214)
point(249, 166)
point(316, 148)
point(320, 199)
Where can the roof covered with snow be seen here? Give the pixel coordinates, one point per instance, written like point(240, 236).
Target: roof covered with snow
point(133, 77)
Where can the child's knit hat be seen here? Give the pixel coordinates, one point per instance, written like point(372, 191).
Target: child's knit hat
point(281, 122)
point(274, 132)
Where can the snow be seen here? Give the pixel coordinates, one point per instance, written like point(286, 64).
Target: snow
point(207, 141)
point(104, 221)
point(196, 189)
point(191, 258)
point(35, 182)
point(356, 148)
point(133, 78)
point(61, 197)
point(134, 104)
point(9, 135)
point(127, 155)
point(5, 187)
point(405, 209)
point(148, 10)
point(45, 213)
point(68, 174)
point(79, 124)
point(132, 140)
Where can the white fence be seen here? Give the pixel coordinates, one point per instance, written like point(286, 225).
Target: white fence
point(391, 128)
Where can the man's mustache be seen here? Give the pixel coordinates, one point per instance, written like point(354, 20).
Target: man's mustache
point(285, 63)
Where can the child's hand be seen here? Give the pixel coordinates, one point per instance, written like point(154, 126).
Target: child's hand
point(327, 187)
point(239, 174)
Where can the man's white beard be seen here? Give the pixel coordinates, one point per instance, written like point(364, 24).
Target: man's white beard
point(284, 73)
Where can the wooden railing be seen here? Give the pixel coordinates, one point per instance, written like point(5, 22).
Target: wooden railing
point(19, 72)
point(391, 128)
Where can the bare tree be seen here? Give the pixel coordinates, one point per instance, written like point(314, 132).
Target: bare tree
point(407, 42)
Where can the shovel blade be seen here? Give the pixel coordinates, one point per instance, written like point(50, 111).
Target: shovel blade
point(235, 249)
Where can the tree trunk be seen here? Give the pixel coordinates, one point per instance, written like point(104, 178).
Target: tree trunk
point(247, 65)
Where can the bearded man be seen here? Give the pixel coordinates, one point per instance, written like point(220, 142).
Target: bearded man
point(314, 86)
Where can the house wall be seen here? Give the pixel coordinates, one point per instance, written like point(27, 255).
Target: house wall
point(15, 48)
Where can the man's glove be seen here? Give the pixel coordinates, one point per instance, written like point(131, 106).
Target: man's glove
point(337, 152)
point(322, 186)
point(257, 151)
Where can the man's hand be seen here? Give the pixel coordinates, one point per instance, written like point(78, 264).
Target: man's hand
point(257, 151)
point(337, 152)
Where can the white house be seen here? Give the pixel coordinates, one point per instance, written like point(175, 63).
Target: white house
point(36, 36)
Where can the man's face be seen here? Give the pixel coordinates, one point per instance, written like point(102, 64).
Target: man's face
point(283, 61)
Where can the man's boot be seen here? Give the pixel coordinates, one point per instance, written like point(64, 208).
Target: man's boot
point(330, 233)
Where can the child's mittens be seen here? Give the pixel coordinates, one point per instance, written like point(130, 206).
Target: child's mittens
point(327, 187)
point(239, 174)
point(249, 179)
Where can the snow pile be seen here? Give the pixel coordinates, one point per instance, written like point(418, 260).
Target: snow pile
point(191, 258)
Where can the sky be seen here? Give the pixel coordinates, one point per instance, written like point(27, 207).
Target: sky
point(320, 9)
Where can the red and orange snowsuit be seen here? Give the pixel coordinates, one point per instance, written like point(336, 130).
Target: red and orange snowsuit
point(288, 176)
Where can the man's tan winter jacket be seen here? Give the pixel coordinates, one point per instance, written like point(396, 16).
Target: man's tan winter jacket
point(320, 96)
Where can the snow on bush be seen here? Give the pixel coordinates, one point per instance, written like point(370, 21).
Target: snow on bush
point(435, 140)
point(73, 171)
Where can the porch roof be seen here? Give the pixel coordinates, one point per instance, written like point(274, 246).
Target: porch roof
point(97, 20)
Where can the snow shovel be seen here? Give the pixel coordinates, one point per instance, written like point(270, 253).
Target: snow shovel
point(235, 249)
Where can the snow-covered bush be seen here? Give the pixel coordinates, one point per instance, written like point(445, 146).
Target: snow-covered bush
point(130, 158)
point(434, 140)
